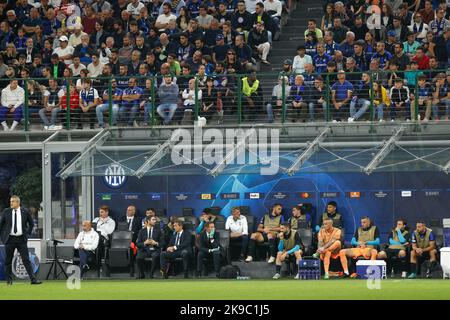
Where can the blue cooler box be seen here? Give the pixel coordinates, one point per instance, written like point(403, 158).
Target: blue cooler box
point(309, 269)
point(378, 265)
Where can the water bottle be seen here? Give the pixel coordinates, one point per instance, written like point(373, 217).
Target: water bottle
point(242, 278)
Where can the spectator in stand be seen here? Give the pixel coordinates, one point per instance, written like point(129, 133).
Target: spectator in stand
point(168, 98)
point(422, 59)
point(439, 48)
point(84, 51)
point(243, 52)
point(241, 18)
point(189, 96)
point(339, 31)
point(418, 27)
point(12, 102)
point(131, 99)
point(361, 98)
point(274, 9)
point(399, 96)
point(64, 51)
point(312, 28)
point(330, 45)
point(359, 29)
point(258, 39)
point(252, 95)
point(162, 22)
point(341, 92)
point(75, 37)
point(89, 100)
point(441, 97)
point(317, 99)
point(95, 68)
point(427, 13)
point(328, 18)
point(382, 56)
point(298, 65)
point(277, 97)
point(380, 100)
point(440, 23)
point(321, 59)
point(116, 94)
point(298, 98)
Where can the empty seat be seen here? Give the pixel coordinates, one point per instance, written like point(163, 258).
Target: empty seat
point(187, 212)
point(161, 212)
point(119, 253)
point(306, 236)
point(245, 210)
point(216, 210)
point(190, 219)
point(250, 223)
point(122, 226)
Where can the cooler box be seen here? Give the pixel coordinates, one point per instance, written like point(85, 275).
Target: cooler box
point(445, 262)
point(309, 269)
point(446, 225)
point(362, 265)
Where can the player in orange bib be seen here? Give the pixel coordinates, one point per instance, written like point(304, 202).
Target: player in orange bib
point(329, 244)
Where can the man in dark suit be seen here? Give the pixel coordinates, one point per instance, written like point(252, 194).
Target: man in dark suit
point(16, 225)
point(149, 243)
point(134, 225)
point(209, 246)
point(180, 246)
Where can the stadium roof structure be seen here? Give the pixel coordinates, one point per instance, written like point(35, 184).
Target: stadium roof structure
point(311, 148)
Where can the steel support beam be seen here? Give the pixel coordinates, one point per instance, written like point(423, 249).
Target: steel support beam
point(308, 152)
point(233, 153)
point(90, 148)
point(160, 152)
point(388, 146)
point(446, 168)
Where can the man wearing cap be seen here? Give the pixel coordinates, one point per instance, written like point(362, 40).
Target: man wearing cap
point(287, 71)
point(64, 51)
point(258, 39)
point(298, 65)
point(219, 51)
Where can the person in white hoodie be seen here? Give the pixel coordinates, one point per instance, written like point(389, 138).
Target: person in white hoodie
point(12, 102)
point(86, 243)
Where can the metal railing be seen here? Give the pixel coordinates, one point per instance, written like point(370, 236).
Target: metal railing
point(234, 99)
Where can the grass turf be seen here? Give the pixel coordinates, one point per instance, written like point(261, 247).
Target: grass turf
point(229, 290)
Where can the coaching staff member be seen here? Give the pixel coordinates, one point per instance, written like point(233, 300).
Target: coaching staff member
point(16, 225)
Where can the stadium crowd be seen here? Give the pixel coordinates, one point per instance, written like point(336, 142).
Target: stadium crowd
point(134, 60)
point(194, 241)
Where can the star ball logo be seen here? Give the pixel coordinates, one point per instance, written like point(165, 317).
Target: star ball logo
point(115, 176)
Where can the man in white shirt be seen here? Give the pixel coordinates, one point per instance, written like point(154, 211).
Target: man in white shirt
point(64, 51)
point(95, 68)
point(12, 102)
point(75, 37)
point(274, 9)
point(162, 22)
point(134, 8)
point(238, 227)
point(76, 66)
point(105, 225)
point(298, 66)
point(86, 243)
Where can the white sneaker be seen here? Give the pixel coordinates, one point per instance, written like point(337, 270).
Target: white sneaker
point(381, 120)
point(276, 276)
point(404, 274)
point(297, 276)
point(271, 260)
point(249, 259)
point(350, 120)
point(52, 127)
point(135, 124)
point(45, 127)
point(334, 121)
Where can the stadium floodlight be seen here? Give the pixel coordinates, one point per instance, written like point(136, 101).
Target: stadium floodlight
point(446, 168)
point(87, 152)
point(162, 150)
point(311, 148)
point(387, 147)
point(238, 148)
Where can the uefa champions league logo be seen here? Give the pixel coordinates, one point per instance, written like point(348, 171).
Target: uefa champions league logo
point(115, 176)
point(18, 267)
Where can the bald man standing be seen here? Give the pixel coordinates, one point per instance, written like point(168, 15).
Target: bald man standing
point(134, 225)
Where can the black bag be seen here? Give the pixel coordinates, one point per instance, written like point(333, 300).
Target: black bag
point(431, 270)
point(229, 272)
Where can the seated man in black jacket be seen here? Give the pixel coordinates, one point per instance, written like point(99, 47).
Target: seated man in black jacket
point(209, 246)
point(179, 246)
point(149, 242)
